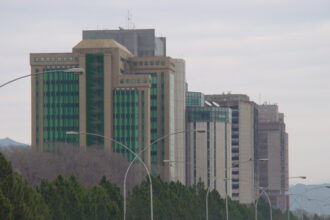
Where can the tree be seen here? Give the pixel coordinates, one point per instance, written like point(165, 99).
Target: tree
point(6, 210)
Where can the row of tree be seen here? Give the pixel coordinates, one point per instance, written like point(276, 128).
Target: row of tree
point(68, 199)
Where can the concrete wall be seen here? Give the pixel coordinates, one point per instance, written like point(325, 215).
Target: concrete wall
point(199, 153)
point(141, 42)
point(179, 117)
point(273, 142)
point(247, 183)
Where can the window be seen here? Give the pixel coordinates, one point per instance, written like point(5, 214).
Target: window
point(235, 158)
point(235, 186)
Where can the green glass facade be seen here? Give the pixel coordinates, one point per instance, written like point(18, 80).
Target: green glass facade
point(126, 120)
point(194, 99)
point(207, 114)
point(157, 107)
point(95, 98)
point(60, 106)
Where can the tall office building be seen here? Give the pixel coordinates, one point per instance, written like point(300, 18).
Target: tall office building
point(128, 98)
point(140, 42)
point(244, 144)
point(208, 144)
point(273, 144)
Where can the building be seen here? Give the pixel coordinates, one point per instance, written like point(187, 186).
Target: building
point(273, 144)
point(140, 42)
point(124, 97)
point(244, 144)
point(208, 144)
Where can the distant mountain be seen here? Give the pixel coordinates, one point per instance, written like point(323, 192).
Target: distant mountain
point(312, 198)
point(7, 142)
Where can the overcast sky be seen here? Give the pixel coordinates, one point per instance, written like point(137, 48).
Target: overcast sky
point(275, 51)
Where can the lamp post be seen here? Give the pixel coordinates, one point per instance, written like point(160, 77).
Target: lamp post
point(76, 71)
point(263, 191)
point(136, 157)
point(207, 200)
point(226, 193)
point(294, 177)
point(314, 188)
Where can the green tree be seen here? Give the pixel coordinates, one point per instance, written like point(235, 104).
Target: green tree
point(25, 201)
point(65, 198)
point(116, 198)
point(99, 206)
point(6, 212)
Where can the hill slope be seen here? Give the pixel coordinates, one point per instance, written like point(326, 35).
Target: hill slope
point(312, 198)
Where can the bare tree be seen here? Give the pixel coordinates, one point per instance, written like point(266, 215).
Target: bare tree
point(87, 164)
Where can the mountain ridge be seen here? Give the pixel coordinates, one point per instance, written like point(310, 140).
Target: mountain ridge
point(7, 142)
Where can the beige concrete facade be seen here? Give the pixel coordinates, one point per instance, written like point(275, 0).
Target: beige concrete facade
point(209, 155)
point(244, 145)
point(39, 63)
point(273, 144)
point(180, 119)
point(164, 68)
point(121, 72)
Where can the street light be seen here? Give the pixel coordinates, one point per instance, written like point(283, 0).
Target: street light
point(226, 192)
point(136, 157)
point(75, 71)
point(263, 191)
point(207, 200)
point(304, 196)
point(294, 177)
point(297, 177)
point(314, 188)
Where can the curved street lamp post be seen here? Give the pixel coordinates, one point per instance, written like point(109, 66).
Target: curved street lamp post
point(75, 71)
point(263, 191)
point(136, 156)
point(226, 190)
point(303, 195)
point(294, 177)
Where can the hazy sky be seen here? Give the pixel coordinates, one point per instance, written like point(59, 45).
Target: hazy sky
point(275, 51)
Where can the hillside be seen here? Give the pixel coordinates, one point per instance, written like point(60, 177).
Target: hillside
point(312, 198)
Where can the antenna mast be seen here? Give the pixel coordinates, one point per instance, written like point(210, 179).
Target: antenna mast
point(129, 20)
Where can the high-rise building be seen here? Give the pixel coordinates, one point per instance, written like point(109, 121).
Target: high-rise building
point(273, 144)
point(128, 98)
point(208, 144)
point(140, 42)
point(244, 144)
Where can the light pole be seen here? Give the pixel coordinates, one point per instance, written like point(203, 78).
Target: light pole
point(136, 156)
point(226, 193)
point(293, 177)
point(76, 71)
point(207, 200)
point(314, 188)
point(226, 190)
point(263, 191)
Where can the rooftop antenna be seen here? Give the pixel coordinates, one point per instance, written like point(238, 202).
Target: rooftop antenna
point(129, 23)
